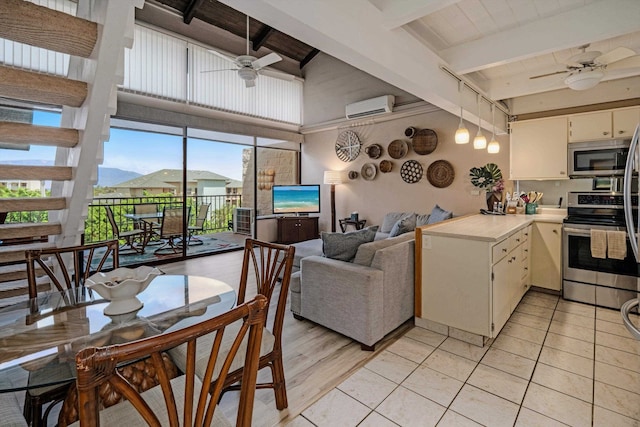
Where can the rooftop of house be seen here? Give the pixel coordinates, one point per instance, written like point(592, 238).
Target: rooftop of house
point(169, 177)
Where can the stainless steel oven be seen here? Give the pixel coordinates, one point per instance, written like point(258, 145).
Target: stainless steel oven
point(605, 282)
point(597, 158)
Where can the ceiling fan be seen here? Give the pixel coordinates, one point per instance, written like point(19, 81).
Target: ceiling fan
point(587, 68)
point(249, 67)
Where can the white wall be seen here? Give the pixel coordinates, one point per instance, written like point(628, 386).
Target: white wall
point(388, 192)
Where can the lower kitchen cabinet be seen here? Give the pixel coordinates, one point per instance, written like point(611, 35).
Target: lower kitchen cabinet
point(547, 255)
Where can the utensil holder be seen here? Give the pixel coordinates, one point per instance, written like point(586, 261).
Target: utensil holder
point(530, 208)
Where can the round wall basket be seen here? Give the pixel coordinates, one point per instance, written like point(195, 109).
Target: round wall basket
point(424, 141)
point(440, 173)
point(398, 149)
point(369, 171)
point(411, 171)
point(386, 166)
point(373, 151)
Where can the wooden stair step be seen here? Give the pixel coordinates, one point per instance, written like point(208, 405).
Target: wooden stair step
point(42, 173)
point(28, 23)
point(15, 253)
point(13, 272)
point(35, 87)
point(23, 230)
point(30, 204)
point(27, 134)
point(18, 290)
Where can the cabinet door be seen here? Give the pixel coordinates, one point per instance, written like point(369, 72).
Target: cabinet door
point(539, 149)
point(307, 229)
point(590, 126)
point(502, 294)
point(625, 121)
point(287, 230)
point(546, 255)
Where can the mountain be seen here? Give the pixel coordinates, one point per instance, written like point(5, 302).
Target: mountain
point(108, 177)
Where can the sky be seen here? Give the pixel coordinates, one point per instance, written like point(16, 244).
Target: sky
point(145, 152)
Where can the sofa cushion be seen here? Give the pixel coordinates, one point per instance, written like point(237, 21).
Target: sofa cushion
point(366, 252)
point(422, 219)
point(343, 246)
point(390, 219)
point(438, 214)
point(404, 225)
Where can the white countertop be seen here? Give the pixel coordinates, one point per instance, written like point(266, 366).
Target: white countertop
point(488, 227)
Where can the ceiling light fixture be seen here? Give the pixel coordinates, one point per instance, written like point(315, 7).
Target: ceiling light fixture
point(462, 134)
point(494, 146)
point(584, 79)
point(479, 142)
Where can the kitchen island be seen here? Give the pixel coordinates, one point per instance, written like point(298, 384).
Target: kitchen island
point(472, 273)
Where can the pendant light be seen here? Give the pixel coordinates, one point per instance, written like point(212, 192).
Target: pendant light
point(479, 142)
point(462, 134)
point(494, 146)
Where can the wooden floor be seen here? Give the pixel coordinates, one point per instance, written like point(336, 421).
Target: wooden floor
point(315, 358)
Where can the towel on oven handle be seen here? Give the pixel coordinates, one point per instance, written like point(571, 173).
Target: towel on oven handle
point(598, 243)
point(617, 244)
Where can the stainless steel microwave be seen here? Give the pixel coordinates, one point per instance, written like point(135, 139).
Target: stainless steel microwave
point(597, 158)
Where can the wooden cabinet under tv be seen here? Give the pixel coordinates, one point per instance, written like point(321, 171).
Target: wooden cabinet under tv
point(293, 229)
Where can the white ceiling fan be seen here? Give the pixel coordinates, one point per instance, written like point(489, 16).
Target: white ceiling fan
point(587, 68)
point(249, 67)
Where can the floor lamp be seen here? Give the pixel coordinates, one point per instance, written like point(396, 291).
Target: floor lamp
point(332, 178)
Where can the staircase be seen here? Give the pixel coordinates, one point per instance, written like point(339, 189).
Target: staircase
point(95, 40)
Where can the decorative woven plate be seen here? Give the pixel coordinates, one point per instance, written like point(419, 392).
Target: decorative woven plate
point(424, 141)
point(369, 171)
point(398, 149)
point(440, 173)
point(373, 151)
point(348, 146)
point(386, 166)
point(411, 171)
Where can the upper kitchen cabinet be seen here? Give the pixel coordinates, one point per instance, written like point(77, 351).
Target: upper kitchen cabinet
point(539, 149)
point(625, 121)
point(590, 126)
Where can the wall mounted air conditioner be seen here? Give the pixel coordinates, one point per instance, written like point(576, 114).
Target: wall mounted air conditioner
point(371, 107)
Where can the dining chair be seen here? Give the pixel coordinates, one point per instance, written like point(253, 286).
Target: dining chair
point(199, 225)
point(128, 236)
point(171, 231)
point(63, 269)
point(269, 262)
point(182, 400)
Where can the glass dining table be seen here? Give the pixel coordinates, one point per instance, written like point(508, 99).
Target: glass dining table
point(45, 333)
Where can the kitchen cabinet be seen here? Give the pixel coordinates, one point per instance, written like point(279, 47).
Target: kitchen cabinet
point(474, 272)
point(625, 121)
point(293, 229)
point(539, 149)
point(590, 126)
point(546, 251)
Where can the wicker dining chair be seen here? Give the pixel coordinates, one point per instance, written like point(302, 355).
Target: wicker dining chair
point(184, 400)
point(62, 269)
point(269, 262)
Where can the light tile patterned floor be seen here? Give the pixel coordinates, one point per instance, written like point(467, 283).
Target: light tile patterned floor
point(554, 363)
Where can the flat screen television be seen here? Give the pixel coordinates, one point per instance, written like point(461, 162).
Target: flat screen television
point(296, 199)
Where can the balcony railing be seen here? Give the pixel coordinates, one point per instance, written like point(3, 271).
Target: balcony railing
point(97, 227)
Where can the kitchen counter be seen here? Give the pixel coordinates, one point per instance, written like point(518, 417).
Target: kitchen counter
point(489, 228)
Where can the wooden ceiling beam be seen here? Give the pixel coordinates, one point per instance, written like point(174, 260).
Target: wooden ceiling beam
point(190, 10)
point(308, 58)
point(262, 37)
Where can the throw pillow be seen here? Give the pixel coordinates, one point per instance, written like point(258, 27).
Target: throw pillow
point(438, 214)
point(422, 219)
point(390, 219)
point(343, 246)
point(404, 225)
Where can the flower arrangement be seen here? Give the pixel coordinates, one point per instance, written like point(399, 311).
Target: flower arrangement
point(488, 178)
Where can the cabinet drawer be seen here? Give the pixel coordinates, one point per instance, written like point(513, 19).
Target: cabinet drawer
point(526, 234)
point(500, 250)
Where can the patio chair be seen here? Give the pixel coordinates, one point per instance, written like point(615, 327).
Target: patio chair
point(269, 262)
point(182, 400)
point(199, 225)
point(64, 268)
point(128, 236)
point(171, 231)
point(152, 225)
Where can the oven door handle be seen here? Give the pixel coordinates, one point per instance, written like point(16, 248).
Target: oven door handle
point(626, 308)
point(577, 231)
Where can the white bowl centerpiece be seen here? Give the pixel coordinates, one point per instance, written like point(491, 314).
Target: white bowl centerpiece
point(120, 287)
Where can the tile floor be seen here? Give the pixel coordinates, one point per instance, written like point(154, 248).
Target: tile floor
point(554, 363)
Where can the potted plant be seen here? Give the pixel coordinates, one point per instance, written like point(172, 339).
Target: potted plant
point(489, 179)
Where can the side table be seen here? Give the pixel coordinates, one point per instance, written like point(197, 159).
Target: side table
point(359, 225)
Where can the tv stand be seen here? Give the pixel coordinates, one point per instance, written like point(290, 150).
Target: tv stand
point(293, 229)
